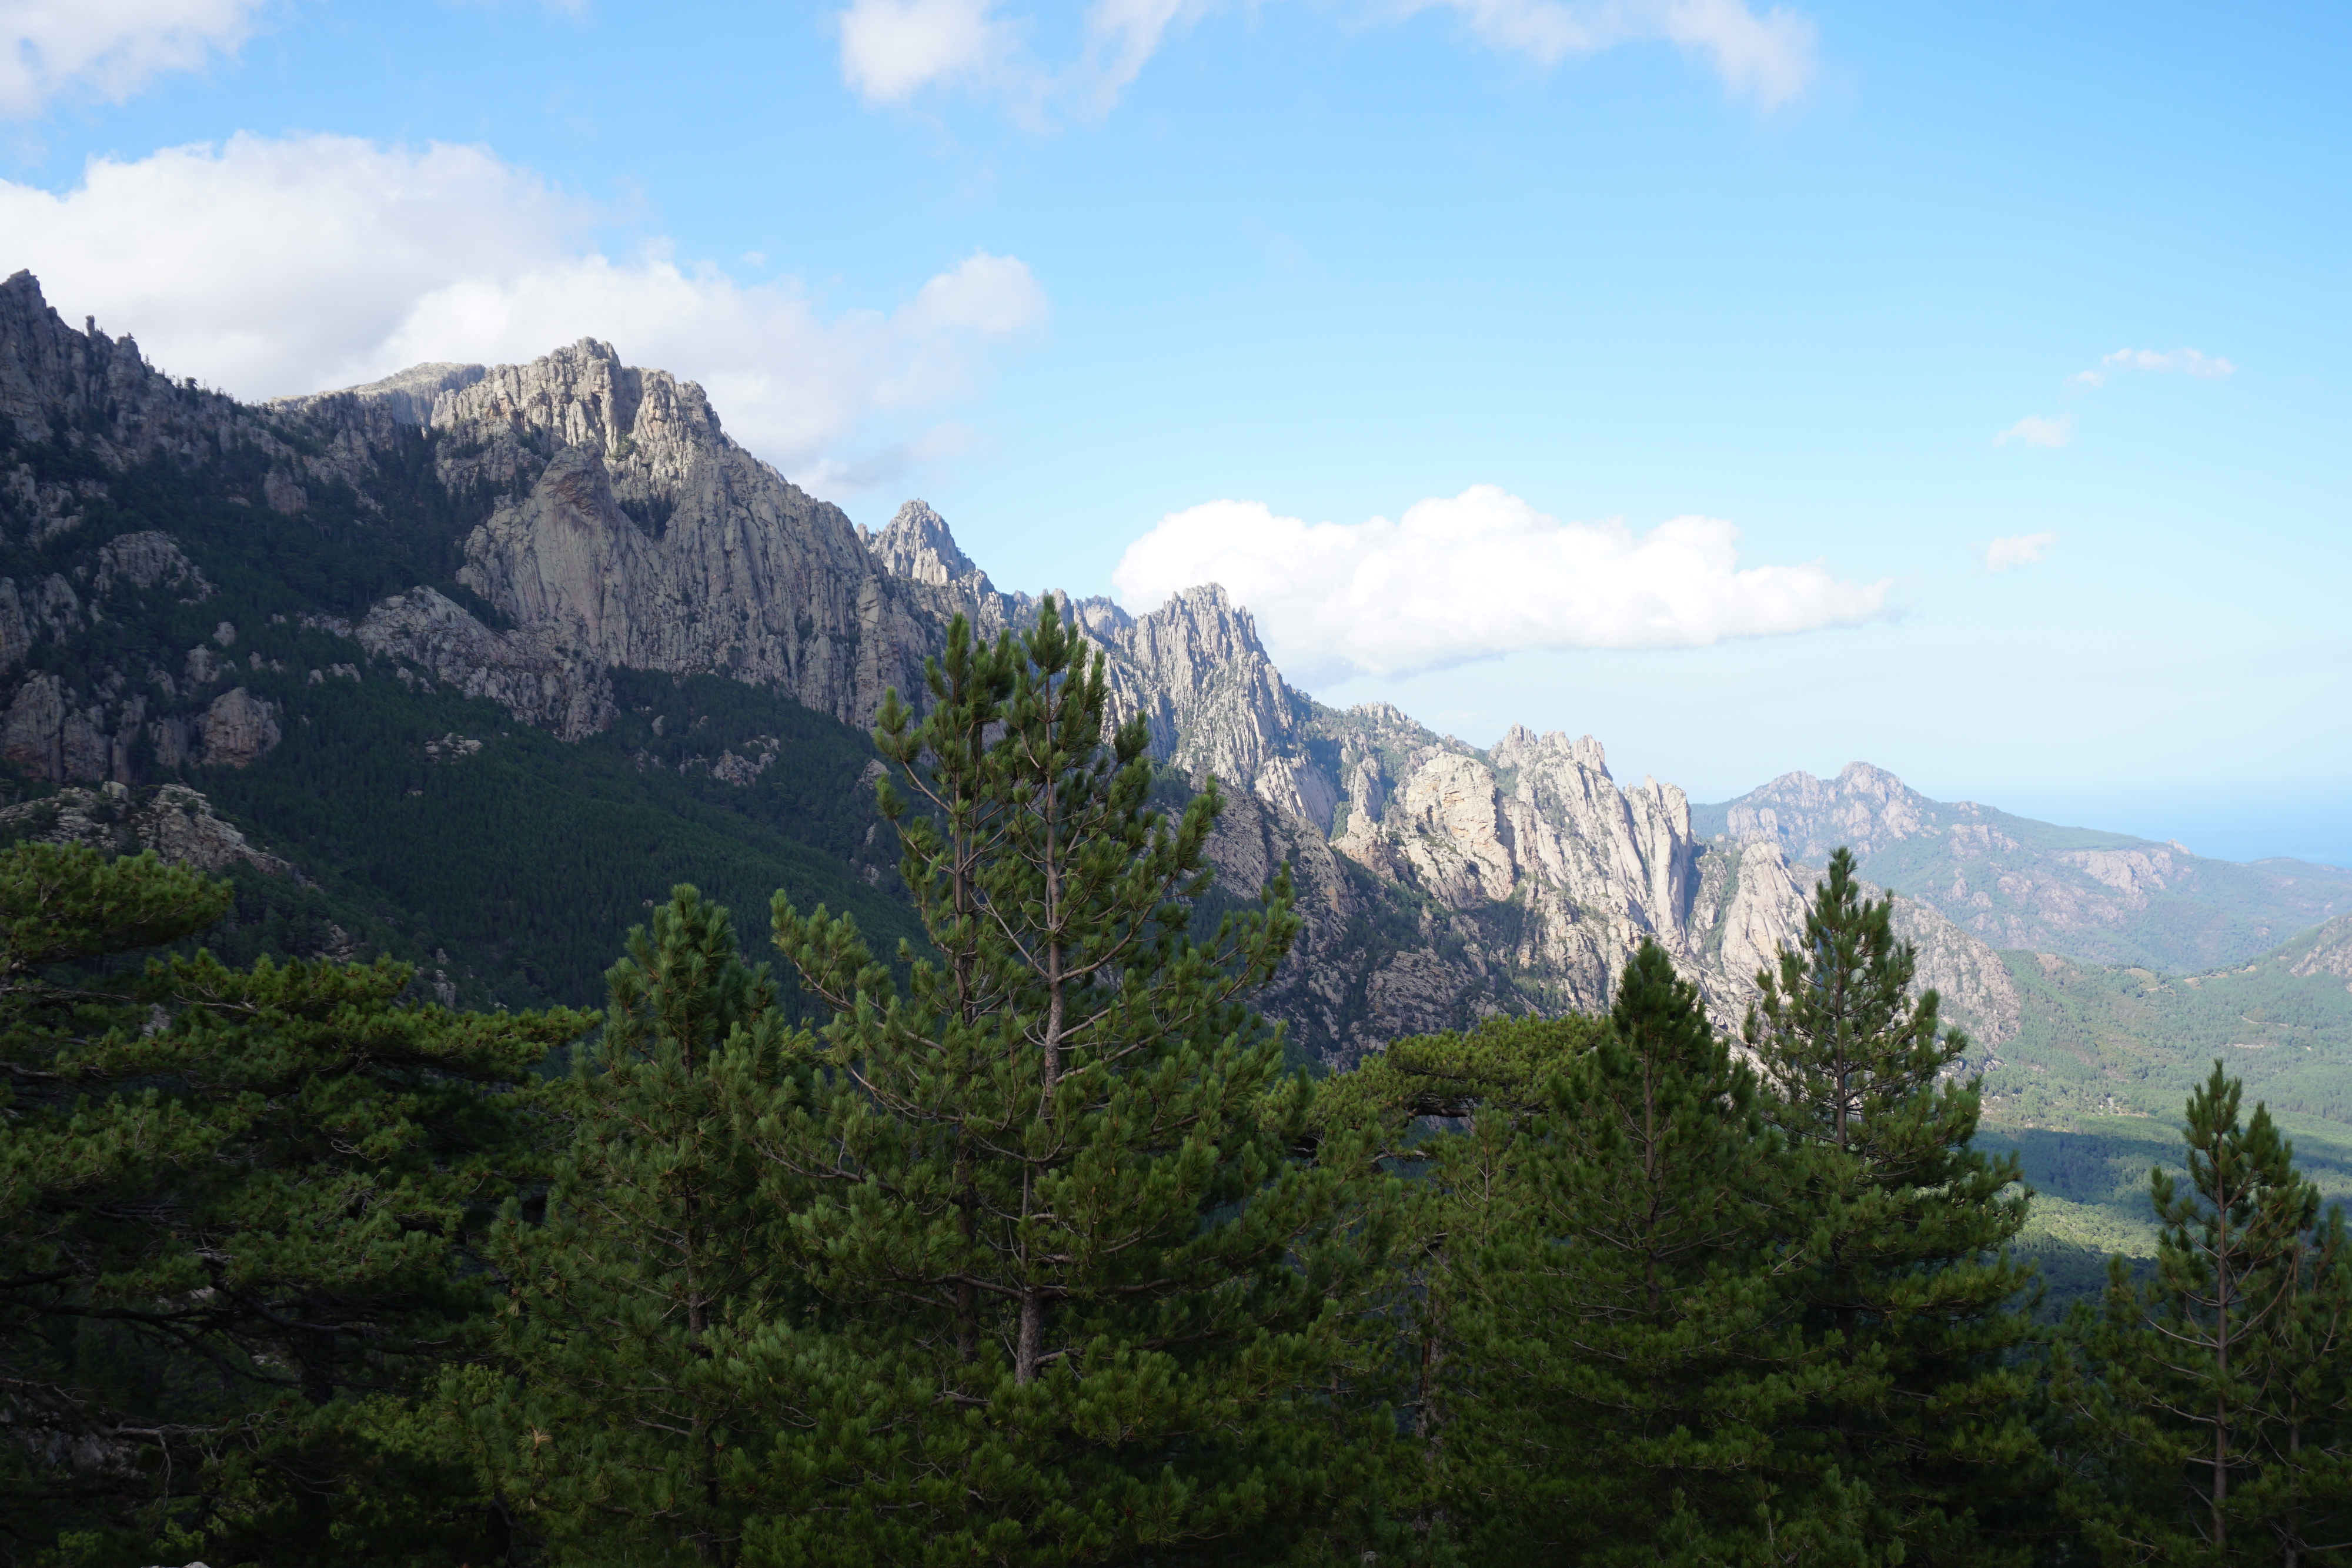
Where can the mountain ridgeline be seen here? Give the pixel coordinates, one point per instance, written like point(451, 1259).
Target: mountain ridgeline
point(474, 663)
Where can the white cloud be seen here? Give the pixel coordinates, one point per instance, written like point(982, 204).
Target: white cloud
point(1475, 575)
point(2035, 430)
point(1768, 57)
point(893, 50)
point(108, 47)
point(269, 266)
point(2154, 361)
point(2017, 549)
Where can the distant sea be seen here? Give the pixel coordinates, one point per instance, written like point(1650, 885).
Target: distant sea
point(2309, 821)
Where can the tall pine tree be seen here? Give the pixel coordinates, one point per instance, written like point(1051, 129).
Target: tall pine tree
point(2213, 1402)
point(623, 1422)
point(1081, 1292)
point(1907, 1293)
point(1623, 1358)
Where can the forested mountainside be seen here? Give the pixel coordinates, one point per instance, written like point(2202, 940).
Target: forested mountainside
point(479, 660)
point(2090, 1084)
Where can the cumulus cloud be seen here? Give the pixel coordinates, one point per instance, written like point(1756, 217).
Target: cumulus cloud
point(893, 50)
point(2017, 549)
point(282, 266)
point(2154, 361)
point(1475, 575)
point(110, 48)
point(2035, 430)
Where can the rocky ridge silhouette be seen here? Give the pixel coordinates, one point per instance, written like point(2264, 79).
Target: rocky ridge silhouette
point(576, 516)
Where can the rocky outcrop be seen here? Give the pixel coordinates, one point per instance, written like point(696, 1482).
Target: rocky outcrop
point(1197, 673)
point(644, 537)
point(56, 734)
point(100, 393)
point(145, 559)
point(2329, 952)
point(1522, 878)
point(527, 672)
point(44, 609)
point(917, 545)
point(173, 821)
point(601, 517)
point(239, 729)
point(1537, 824)
point(1193, 669)
point(1865, 809)
point(638, 534)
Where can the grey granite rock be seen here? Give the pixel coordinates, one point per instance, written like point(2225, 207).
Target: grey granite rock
point(239, 729)
point(529, 673)
point(172, 820)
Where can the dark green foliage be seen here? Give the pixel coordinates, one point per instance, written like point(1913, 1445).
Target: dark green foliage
point(1621, 1358)
point(1452, 1112)
point(1082, 1296)
point(2213, 1402)
point(233, 1207)
point(1907, 1294)
point(340, 554)
point(631, 1424)
point(530, 859)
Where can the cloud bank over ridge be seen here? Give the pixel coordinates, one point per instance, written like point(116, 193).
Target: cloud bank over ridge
point(1477, 575)
point(274, 266)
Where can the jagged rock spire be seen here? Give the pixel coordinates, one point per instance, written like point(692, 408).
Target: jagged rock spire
point(918, 543)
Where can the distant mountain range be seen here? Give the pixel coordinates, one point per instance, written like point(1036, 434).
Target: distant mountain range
point(2105, 898)
point(469, 664)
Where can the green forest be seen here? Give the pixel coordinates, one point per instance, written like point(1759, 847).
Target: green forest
point(987, 1223)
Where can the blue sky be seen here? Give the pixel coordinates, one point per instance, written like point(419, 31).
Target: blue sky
point(1075, 275)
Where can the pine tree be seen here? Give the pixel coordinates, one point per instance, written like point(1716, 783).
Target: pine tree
point(628, 1426)
point(1622, 1357)
point(2303, 1495)
point(1080, 1292)
point(237, 1209)
point(1454, 1113)
point(1907, 1293)
point(2214, 1401)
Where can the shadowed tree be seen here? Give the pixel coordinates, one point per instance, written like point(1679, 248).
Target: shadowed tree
point(629, 1427)
point(238, 1210)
